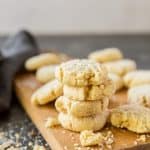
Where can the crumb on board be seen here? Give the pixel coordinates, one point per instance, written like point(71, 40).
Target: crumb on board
point(65, 148)
point(141, 138)
point(52, 122)
point(30, 144)
point(89, 138)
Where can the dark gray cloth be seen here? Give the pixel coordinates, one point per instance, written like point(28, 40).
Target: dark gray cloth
point(12, 56)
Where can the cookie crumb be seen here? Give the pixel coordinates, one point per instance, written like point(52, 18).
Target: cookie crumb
point(65, 148)
point(38, 147)
point(30, 143)
point(142, 138)
point(76, 144)
point(63, 131)
point(135, 143)
point(88, 138)
point(51, 122)
point(17, 136)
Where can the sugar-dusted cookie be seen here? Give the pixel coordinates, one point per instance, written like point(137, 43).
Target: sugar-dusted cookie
point(81, 72)
point(118, 81)
point(78, 124)
point(136, 78)
point(93, 92)
point(47, 93)
point(81, 108)
point(41, 60)
point(140, 95)
point(46, 73)
point(135, 118)
point(106, 55)
point(121, 67)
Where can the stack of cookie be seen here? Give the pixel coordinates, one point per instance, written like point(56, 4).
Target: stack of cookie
point(86, 92)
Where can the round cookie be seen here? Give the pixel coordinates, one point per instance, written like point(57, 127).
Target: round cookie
point(41, 60)
point(121, 67)
point(140, 95)
point(106, 55)
point(118, 81)
point(47, 93)
point(136, 78)
point(46, 73)
point(135, 118)
point(95, 92)
point(81, 72)
point(81, 109)
point(78, 124)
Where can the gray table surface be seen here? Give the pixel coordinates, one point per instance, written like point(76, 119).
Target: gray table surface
point(136, 47)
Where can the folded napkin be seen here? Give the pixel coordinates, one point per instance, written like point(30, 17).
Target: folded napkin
point(12, 56)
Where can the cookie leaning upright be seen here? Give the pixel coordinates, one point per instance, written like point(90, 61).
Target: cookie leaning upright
point(81, 72)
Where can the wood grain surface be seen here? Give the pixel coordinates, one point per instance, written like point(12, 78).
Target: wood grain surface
point(59, 138)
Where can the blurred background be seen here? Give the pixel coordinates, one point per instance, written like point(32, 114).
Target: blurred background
point(63, 17)
point(77, 27)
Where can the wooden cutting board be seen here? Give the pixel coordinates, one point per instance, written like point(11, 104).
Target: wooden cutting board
point(59, 138)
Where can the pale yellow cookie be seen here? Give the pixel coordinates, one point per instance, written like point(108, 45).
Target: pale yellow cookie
point(106, 55)
point(81, 109)
point(136, 78)
point(140, 95)
point(118, 81)
point(47, 93)
point(78, 124)
point(81, 72)
point(121, 67)
point(96, 92)
point(46, 73)
point(135, 118)
point(41, 60)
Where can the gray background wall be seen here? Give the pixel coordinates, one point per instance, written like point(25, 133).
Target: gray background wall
point(75, 16)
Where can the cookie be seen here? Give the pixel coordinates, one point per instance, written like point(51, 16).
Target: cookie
point(41, 60)
point(118, 81)
point(136, 78)
point(47, 93)
point(80, 108)
point(135, 118)
point(106, 55)
point(81, 72)
point(97, 92)
point(121, 67)
point(140, 95)
point(78, 124)
point(46, 73)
